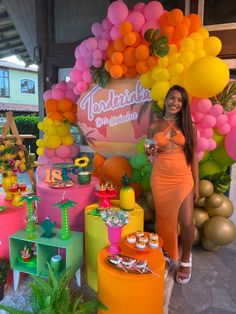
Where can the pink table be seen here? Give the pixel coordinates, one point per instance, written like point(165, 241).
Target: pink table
point(82, 194)
point(12, 220)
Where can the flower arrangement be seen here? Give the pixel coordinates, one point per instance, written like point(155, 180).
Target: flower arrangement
point(114, 218)
point(14, 156)
point(84, 162)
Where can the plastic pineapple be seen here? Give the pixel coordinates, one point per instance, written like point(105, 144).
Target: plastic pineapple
point(127, 196)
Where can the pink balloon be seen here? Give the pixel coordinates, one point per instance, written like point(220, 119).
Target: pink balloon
point(103, 44)
point(204, 105)
point(106, 24)
point(230, 143)
point(97, 29)
point(216, 110)
point(91, 43)
point(208, 121)
point(43, 159)
point(62, 85)
point(117, 12)
point(150, 24)
point(231, 113)
point(83, 51)
point(81, 87)
point(70, 85)
point(74, 150)
point(68, 160)
point(41, 173)
point(212, 144)
point(153, 10)
point(106, 35)
point(63, 151)
point(49, 152)
point(97, 54)
point(80, 64)
point(77, 52)
point(200, 155)
point(198, 116)
point(232, 121)
point(75, 76)
point(88, 62)
point(224, 129)
point(70, 94)
point(97, 63)
point(137, 20)
point(139, 7)
point(87, 76)
point(202, 144)
point(56, 160)
point(208, 132)
point(58, 93)
point(222, 119)
point(47, 95)
point(115, 33)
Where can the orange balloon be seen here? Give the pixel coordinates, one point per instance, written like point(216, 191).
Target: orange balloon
point(168, 30)
point(98, 160)
point(55, 116)
point(116, 71)
point(119, 44)
point(110, 50)
point(195, 22)
point(142, 52)
point(125, 68)
point(175, 17)
point(125, 28)
point(131, 72)
point(186, 21)
point(117, 57)
point(129, 57)
point(181, 31)
point(70, 116)
point(129, 39)
point(74, 108)
point(51, 105)
point(114, 168)
point(138, 39)
point(163, 21)
point(108, 65)
point(65, 104)
point(142, 67)
point(151, 61)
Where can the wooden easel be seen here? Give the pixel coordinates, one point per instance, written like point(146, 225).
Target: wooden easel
point(11, 125)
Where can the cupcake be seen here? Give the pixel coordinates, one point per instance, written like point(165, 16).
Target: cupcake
point(143, 239)
point(139, 234)
point(153, 236)
point(153, 244)
point(140, 245)
point(131, 238)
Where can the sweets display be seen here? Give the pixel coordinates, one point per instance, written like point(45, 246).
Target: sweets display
point(143, 241)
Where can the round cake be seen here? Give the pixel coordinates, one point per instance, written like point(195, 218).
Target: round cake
point(153, 236)
point(139, 234)
point(143, 239)
point(131, 238)
point(153, 244)
point(140, 245)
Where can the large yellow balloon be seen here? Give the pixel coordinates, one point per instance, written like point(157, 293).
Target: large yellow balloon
point(159, 90)
point(212, 45)
point(206, 77)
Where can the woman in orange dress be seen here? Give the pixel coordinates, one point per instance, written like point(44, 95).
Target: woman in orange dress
point(174, 178)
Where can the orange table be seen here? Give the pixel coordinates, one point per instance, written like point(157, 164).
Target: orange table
point(125, 293)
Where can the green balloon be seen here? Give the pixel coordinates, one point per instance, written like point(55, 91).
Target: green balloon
point(206, 156)
point(145, 182)
point(141, 159)
point(217, 137)
point(140, 146)
point(208, 167)
point(134, 163)
point(136, 175)
point(221, 157)
point(147, 168)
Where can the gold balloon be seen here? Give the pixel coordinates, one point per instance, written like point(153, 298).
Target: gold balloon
point(197, 236)
point(215, 200)
point(148, 213)
point(208, 245)
point(150, 201)
point(200, 202)
point(219, 230)
point(225, 209)
point(200, 216)
point(206, 188)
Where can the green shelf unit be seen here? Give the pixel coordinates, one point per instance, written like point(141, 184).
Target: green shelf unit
point(46, 248)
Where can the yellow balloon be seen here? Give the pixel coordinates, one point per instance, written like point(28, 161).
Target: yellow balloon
point(206, 77)
point(163, 62)
point(159, 90)
point(164, 75)
point(177, 69)
point(40, 126)
point(146, 80)
point(47, 121)
point(161, 103)
point(40, 151)
point(51, 131)
point(212, 46)
point(52, 141)
point(62, 130)
point(187, 44)
point(204, 32)
point(186, 57)
point(67, 140)
point(174, 58)
point(199, 53)
point(156, 73)
point(198, 44)
point(172, 49)
point(196, 36)
point(40, 143)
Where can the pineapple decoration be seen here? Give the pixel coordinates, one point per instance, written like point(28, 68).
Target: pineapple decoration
point(127, 195)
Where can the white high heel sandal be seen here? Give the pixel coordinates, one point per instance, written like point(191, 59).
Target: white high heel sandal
point(185, 278)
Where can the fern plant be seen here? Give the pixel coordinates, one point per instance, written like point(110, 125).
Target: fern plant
point(53, 296)
point(158, 43)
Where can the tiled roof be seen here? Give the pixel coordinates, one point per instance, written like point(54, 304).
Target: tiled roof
point(18, 107)
point(15, 66)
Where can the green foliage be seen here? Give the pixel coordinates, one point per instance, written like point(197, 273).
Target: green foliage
point(3, 270)
point(220, 180)
point(159, 43)
point(28, 125)
point(100, 76)
point(227, 98)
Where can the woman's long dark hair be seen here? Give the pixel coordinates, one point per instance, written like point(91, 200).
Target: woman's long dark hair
point(185, 122)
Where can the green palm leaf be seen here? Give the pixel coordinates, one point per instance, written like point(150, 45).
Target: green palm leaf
point(158, 43)
point(12, 310)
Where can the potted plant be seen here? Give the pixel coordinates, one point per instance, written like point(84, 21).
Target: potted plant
point(3, 276)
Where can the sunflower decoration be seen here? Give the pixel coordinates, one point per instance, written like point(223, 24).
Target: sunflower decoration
point(82, 162)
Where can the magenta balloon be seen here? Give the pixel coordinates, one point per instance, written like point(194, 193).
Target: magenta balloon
point(202, 144)
point(58, 94)
point(139, 7)
point(207, 132)
point(74, 150)
point(75, 76)
point(117, 12)
point(204, 105)
point(137, 20)
point(230, 143)
point(47, 95)
point(103, 44)
point(115, 33)
point(106, 24)
point(63, 151)
point(97, 29)
point(86, 76)
point(81, 86)
point(76, 92)
point(91, 43)
point(216, 110)
point(80, 64)
point(70, 85)
point(212, 144)
point(208, 121)
point(49, 152)
point(153, 10)
point(97, 54)
point(224, 129)
point(232, 121)
point(150, 24)
point(222, 119)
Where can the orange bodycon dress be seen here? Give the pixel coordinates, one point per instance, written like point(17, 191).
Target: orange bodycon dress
point(171, 182)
